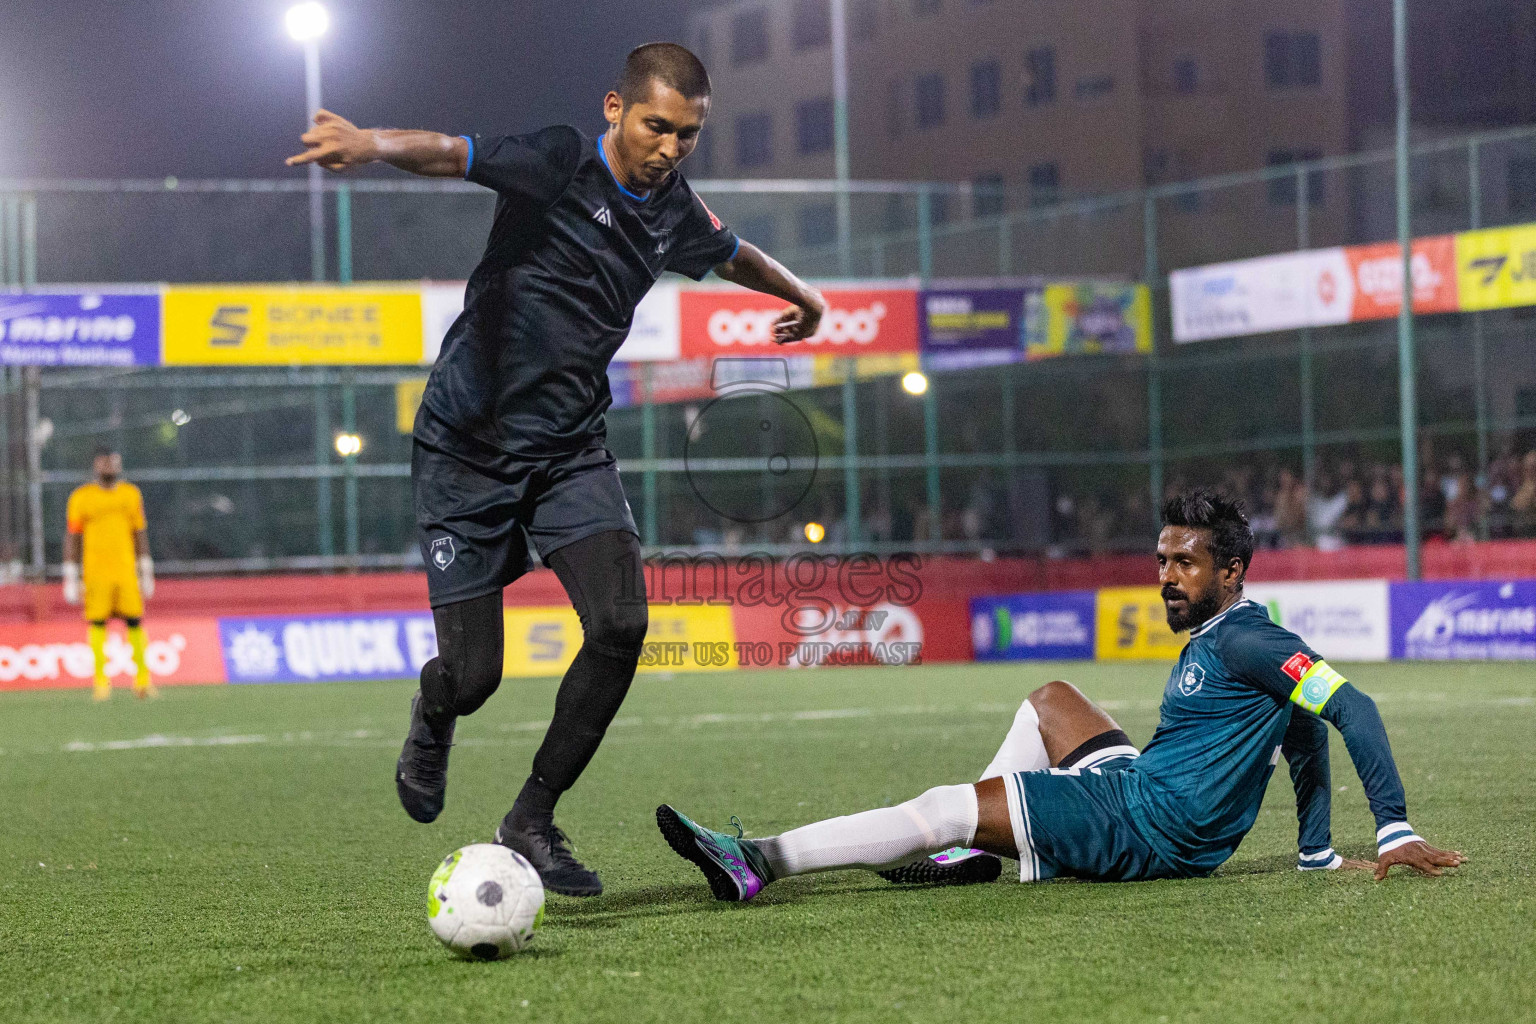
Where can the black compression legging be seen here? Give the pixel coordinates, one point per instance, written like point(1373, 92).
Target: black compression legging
point(604, 578)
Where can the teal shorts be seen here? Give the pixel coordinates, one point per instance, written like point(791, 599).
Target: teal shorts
point(1074, 821)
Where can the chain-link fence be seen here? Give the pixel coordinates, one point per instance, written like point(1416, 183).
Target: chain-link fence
point(239, 468)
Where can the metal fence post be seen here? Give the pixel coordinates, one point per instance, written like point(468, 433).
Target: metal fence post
point(1308, 415)
point(1004, 246)
point(10, 213)
point(29, 241)
point(853, 514)
point(349, 463)
point(1154, 371)
point(648, 453)
point(344, 234)
point(325, 523)
point(931, 458)
point(31, 379)
point(924, 233)
point(1479, 343)
point(1407, 363)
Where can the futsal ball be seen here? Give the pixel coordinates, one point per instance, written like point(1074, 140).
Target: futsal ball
point(485, 902)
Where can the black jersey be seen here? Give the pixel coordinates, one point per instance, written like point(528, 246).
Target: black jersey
point(570, 255)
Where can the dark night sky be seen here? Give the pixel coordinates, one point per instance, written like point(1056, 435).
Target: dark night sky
point(145, 88)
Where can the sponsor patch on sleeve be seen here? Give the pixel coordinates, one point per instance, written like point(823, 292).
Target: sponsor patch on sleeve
point(1315, 685)
point(1296, 666)
point(712, 218)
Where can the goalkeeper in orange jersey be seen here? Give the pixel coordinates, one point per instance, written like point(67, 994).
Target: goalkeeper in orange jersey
point(107, 565)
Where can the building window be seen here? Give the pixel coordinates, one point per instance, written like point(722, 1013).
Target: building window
point(896, 108)
point(811, 24)
point(754, 140)
point(818, 224)
point(864, 20)
point(987, 197)
point(1282, 190)
point(1044, 184)
point(761, 230)
point(1186, 75)
point(1292, 60)
point(1094, 86)
point(986, 88)
point(925, 7)
point(1522, 184)
point(813, 126)
point(930, 101)
point(1040, 75)
point(749, 37)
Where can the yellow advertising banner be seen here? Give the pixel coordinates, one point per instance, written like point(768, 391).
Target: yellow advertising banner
point(407, 401)
point(287, 325)
point(1132, 626)
point(543, 641)
point(1496, 267)
point(827, 370)
point(1088, 318)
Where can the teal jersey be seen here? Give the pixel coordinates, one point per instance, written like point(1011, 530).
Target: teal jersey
point(1196, 789)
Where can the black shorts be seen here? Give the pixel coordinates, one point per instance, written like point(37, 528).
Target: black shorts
point(478, 508)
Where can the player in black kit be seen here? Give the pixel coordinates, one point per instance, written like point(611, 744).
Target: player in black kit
point(509, 444)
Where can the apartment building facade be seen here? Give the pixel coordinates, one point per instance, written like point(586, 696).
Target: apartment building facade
point(1031, 102)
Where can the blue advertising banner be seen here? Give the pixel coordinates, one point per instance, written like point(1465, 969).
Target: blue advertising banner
point(323, 648)
point(970, 319)
point(1033, 626)
point(79, 329)
point(1467, 621)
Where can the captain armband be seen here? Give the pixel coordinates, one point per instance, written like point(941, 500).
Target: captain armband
point(1316, 685)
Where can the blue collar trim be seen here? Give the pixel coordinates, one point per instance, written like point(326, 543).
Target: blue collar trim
point(602, 153)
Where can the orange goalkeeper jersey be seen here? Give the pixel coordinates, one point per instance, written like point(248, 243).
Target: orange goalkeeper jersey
point(106, 519)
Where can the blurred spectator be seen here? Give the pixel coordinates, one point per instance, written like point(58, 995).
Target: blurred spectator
point(1522, 506)
point(1291, 510)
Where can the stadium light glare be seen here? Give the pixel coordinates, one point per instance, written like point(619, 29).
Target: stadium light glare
point(914, 383)
point(307, 21)
point(180, 417)
point(815, 532)
point(348, 445)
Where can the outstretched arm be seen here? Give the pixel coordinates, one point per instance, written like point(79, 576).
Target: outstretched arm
point(1305, 748)
point(337, 144)
point(755, 269)
point(1306, 753)
point(1355, 716)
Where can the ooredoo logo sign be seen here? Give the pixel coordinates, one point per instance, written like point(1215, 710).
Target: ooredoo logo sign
point(1378, 275)
point(857, 322)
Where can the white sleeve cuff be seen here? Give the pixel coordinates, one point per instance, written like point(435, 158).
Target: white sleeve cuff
point(1398, 833)
point(1323, 860)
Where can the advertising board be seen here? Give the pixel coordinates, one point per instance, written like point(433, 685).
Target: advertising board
point(1344, 620)
point(79, 328)
point(1033, 626)
point(1132, 625)
point(716, 322)
point(284, 325)
point(55, 655)
point(1464, 621)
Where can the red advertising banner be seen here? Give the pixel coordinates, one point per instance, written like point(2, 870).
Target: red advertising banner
point(55, 654)
point(857, 322)
point(833, 632)
point(1377, 271)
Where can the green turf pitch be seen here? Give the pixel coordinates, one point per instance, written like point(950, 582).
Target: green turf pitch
point(248, 862)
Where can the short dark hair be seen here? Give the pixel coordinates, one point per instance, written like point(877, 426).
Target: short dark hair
point(103, 451)
point(668, 63)
point(1204, 509)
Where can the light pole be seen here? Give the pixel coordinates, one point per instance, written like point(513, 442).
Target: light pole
point(306, 23)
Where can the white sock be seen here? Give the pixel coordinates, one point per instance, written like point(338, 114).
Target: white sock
point(1023, 749)
point(944, 816)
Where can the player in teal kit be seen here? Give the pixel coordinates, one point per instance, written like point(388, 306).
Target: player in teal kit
point(1068, 795)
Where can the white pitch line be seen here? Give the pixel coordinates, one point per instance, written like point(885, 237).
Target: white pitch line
point(148, 742)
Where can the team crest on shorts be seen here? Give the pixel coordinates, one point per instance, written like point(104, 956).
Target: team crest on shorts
point(441, 552)
point(1191, 681)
